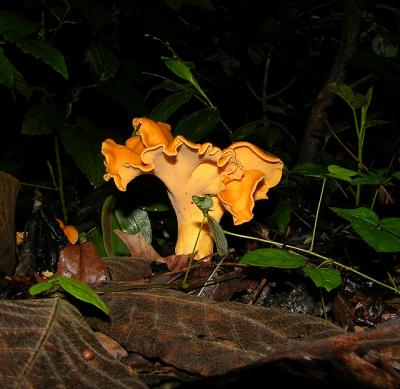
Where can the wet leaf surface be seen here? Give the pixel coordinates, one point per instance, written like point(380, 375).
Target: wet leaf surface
point(47, 343)
point(201, 336)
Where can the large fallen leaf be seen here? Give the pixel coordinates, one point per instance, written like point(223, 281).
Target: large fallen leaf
point(201, 336)
point(366, 359)
point(47, 344)
point(127, 268)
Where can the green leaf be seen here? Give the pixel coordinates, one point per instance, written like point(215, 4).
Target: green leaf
point(179, 68)
point(282, 215)
point(137, 221)
point(381, 237)
point(273, 258)
point(165, 108)
point(391, 224)
point(363, 215)
point(371, 178)
point(341, 173)
point(245, 131)
point(15, 24)
point(175, 4)
point(384, 47)
point(198, 124)
point(323, 277)
point(42, 119)
point(353, 99)
point(21, 85)
point(103, 63)
point(82, 291)
point(396, 175)
point(204, 203)
point(41, 287)
point(43, 51)
point(6, 71)
point(219, 236)
point(113, 245)
point(83, 142)
point(310, 169)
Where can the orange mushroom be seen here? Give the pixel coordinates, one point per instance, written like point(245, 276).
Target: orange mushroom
point(70, 232)
point(234, 177)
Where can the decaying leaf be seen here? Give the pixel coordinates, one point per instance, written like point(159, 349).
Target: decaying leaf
point(127, 268)
point(81, 262)
point(47, 343)
point(140, 248)
point(201, 336)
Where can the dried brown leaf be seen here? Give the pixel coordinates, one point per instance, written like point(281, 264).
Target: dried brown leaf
point(46, 343)
point(82, 262)
point(202, 336)
point(127, 268)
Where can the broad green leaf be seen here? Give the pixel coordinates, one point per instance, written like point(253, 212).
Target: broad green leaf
point(282, 214)
point(310, 169)
point(245, 131)
point(103, 63)
point(6, 71)
point(180, 68)
point(273, 258)
point(165, 108)
point(391, 224)
point(15, 24)
point(341, 173)
point(204, 203)
point(198, 124)
point(364, 215)
point(44, 51)
point(323, 277)
point(353, 99)
point(381, 237)
point(396, 175)
point(137, 221)
point(82, 291)
point(42, 119)
point(83, 142)
point(41, 287)
point(371, 178)
point(384, 47)
point(219, 236)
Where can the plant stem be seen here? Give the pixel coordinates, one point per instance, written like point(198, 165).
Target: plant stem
point(185, 285)
point(317, 213)
point(396, 290)
point(60, 181)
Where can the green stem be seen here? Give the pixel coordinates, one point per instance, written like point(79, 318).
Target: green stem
point(60, 180)
point(396, 290)
point(185, 284)
point(317, 213)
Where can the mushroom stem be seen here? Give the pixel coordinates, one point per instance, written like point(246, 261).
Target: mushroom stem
point(189, 219)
